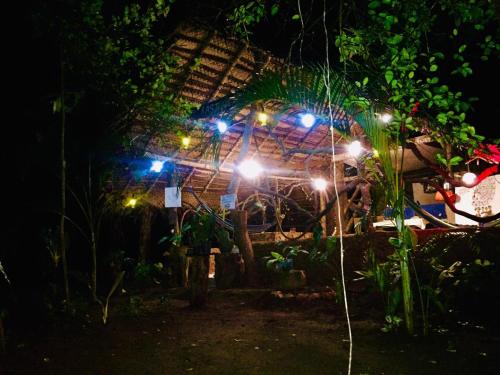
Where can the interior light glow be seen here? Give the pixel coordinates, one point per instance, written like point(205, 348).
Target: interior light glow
point(469, 178)
point(386, 118)
point(157, 166)
point(262, 118)
point(307, 119)
point(221, 126)
point(319, 183)
point(186, 141)
point(355, 148)
point(250, 169)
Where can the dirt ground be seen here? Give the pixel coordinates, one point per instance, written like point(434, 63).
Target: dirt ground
point(247, 332)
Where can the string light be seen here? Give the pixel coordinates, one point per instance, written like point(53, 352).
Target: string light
point(157, 166)
point(307, 119)
point(262, 118)
point(469, 178)
point(186, 141)
point(386, 118)
point(355, 148)
point(250, 169)
point(131, 202)
point(319, 183)
point(221, 126)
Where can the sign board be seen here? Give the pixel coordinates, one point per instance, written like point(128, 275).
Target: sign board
point(228, 201)
point(173, 197)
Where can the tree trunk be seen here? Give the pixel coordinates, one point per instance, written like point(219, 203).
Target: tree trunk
point(93, 276)
point(145, 236)
point(198, 281)
point(62, 240)
point(229, 270)
point(242, 240)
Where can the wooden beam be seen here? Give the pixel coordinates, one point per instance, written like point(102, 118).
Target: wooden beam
point(227, 72)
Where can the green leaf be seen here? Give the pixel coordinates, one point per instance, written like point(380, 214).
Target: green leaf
point(274, 9)
point(433, 68)
point(295, 17)
point(374, 4)
point(455, 160)
point(365, 81)
point(389, 75)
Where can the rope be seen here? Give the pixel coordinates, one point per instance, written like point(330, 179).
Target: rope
point(326, 78)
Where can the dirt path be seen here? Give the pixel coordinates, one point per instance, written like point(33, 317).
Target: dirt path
point(237, 335)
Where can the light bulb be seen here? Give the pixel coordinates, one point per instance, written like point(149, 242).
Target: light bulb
point(469, 178)
point(131, 202)
point(319, 183)
point(186, 141)
point(262, 118)
point(157, 166)
point(250, 169)
point(386, 118)
point(307, 119)
point(355, 148)
point(221, 126)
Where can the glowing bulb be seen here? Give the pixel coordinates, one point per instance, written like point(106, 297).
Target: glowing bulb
point(469, 178)
point(131, 202)
point(262, 118)
point(375, 153)
point(157, 166)
point(307, 119)
point(250, 169)
point(186, 141)
point(221, 126)
point(355, 148)
point(386, 118)
point(319, 183)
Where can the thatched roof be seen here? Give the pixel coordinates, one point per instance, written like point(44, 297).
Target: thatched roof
point(213, 66)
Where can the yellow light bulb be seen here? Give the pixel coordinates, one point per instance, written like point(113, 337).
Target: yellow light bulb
point(131, 202)
point(375, 153)
point(186, 141)
point(262, 118)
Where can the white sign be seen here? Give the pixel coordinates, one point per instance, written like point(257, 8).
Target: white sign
point(481, 200)
point(228, 201)
point(173, 197)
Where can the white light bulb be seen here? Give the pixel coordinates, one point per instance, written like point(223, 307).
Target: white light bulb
point(250, 169)
point(319, 183)
point(221, 126)
point(307, 119)
point(386, 118)
point(355, 148)
point(469, 178)
point(157, 166)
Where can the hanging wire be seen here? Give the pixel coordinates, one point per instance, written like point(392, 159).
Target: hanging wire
point(326, 77)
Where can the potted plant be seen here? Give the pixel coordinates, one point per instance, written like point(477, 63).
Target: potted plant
point(229, 265)
point(282, 265)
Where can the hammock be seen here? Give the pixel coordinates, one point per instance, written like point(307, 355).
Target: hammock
point(427, 215)
point(224, 223)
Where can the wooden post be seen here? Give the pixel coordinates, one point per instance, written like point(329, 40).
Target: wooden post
point(242, 240)
point(334, 216)
point(145, 235)
point(324, 219)
point(198, 280)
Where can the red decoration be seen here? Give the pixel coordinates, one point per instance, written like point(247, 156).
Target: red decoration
point(414, 110)
point(488, 153)
point(451, 196)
